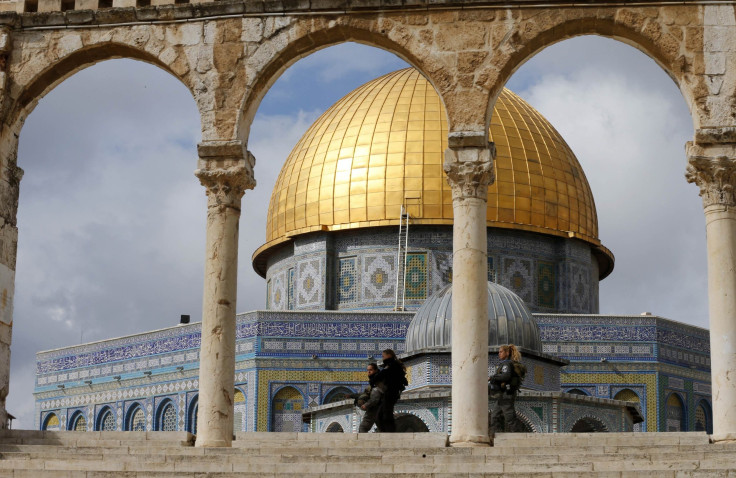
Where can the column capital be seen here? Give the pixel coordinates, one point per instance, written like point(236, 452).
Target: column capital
point(226, 170)
point(469, 170)
point(713, 169)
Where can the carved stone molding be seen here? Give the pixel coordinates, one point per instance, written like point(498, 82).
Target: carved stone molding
point(226, 170)
point(469, 170)
point(226, 186)
point(714, 175)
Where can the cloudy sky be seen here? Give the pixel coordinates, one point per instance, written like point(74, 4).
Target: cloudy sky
point(112, 220)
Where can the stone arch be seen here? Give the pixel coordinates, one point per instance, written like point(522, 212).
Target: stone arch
point(191, 425)
point(165, 418)
point(296, 42)
point(105, 419)
point(51, 422)
point(588, 424)
point(704, 417)
point(135, 419)
point(410, 423)
point(334, 427)
point(41, 83)
point(336, 394)
point(286, 410)
point(77, 422)
point(637, 29)
point(675, 413)
point(525, 424)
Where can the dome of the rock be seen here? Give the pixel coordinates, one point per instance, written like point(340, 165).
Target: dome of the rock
point(509, 322)
point(383, 145)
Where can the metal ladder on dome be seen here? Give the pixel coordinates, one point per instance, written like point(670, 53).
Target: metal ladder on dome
point(403, 250)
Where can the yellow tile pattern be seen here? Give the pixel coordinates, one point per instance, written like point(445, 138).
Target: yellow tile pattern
point(384, 143)
point(295, 376)
point(648, 379)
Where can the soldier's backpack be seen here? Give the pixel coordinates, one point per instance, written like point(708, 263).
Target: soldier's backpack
point(518, 375)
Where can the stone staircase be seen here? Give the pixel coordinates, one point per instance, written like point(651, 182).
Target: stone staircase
point(36, 454)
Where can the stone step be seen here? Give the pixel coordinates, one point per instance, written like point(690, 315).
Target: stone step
point(584, 439)
point(347, 469)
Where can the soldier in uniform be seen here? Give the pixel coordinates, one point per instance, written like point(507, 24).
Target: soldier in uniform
point(370, 399)
point(503, 387)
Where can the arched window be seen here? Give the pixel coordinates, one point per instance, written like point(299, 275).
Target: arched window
point(51, 422)
point(192, 416)
point(675, 413)
point(628, 395)
point(337, 395)
point(408, 423)
point(78, 423)
point(588, 425)
point(703, 418)
point(577, 391)
point(136, 419)
point(106, 420)
point(286, 410)
point(166, 420)
point(334, 427)
point(238, 411)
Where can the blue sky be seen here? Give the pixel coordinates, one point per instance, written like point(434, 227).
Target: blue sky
point(112, 219)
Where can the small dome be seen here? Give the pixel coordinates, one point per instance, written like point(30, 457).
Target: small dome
point(509, 322)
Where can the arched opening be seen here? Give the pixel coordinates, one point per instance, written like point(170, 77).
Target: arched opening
point(334, 427)
point(577, 391)
point(286, 410)
point(525, 425)
point(191, 426)
point(106, 420)
point(51, 422)
point(166, 417)
point(408, 423)
point(624, 122)
point(628, 395)
point(136, 419)
point(703, 418)
point(78, 422)
point(108, 208)
point(588, 425)
point(240, 411)
point(337, 394)
point(376, 132)
point(675, 415)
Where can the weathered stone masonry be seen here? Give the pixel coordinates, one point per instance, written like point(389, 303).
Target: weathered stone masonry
point(228, 53)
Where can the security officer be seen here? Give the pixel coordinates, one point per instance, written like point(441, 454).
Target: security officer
point(503, 386)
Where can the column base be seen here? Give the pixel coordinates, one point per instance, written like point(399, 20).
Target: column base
point(202, 443)
point(723, 438)
point(469, 440)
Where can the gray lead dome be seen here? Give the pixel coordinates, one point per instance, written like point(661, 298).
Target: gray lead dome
point(509, 321)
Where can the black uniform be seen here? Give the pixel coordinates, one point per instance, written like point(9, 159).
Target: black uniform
point(505, 395)
point(393, 377)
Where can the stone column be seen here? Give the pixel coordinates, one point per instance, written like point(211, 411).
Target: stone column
point(713, 169)
point(226, 170)
point(469, 169)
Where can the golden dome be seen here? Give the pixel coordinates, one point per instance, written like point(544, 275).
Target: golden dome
point(383, 144)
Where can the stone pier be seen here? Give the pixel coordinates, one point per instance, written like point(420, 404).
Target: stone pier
point(713, 168)
point(469, 169)
point(226, 170)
